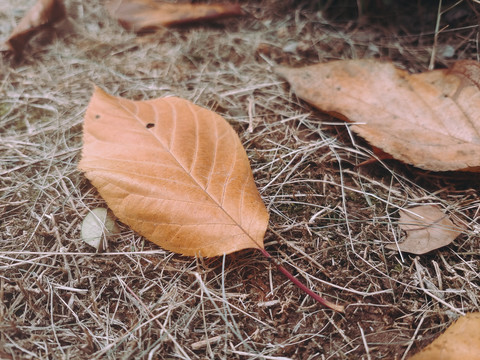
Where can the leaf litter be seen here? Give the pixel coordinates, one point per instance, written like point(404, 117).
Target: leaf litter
point(61, 296)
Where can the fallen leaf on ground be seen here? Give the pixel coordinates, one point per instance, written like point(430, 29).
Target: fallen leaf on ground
point(460, 341)
point(43, 14)
point(97, 226)
point(430, 120)
point(427, 227)
point(174, 172)
point(144, 15)
point(177, 174)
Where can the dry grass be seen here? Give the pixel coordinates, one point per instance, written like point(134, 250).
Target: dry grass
point(329, 221)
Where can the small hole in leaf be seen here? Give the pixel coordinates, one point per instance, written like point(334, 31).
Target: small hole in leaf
point(150, 125)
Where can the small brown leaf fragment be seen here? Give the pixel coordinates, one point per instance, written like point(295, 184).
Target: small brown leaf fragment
point(430, 120)
point(461, 341)
point(43, 14)
point(174, 172)
point(427, 227)
point(145, 15)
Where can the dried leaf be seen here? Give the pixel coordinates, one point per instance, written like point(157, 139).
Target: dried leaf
point(43, 14)
point(174, 172)
point(97, 226)
point(427, 228)
point(460, 341)
point(143, 15)
point(430, 120)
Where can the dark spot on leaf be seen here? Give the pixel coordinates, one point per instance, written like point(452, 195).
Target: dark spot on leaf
point(150, 125)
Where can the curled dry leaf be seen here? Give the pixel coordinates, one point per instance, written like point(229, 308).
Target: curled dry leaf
point(460, 341)
point(174, 172)
point(427, 227)
point(430, 120)
point(43, 14)
point(144, 15)
point(97, 226)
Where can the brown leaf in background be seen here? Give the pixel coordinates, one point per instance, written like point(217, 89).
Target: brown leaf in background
point(460, 341)
point(43, 14)
point(430, 120)
point(174, 172)
point(427, 228)
point(144, 15)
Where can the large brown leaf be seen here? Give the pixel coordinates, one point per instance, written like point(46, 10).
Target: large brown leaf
point(143, 15)
point(41, 15)
point(174, 172)
point(430, 120)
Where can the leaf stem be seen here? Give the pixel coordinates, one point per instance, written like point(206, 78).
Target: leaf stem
point(297, 282)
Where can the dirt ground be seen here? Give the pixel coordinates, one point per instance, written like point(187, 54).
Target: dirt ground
point(330, 218)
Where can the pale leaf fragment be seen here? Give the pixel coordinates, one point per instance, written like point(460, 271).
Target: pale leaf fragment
point(461, 341)
point(430, 120)
point(428, 228)
point(97, 226)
